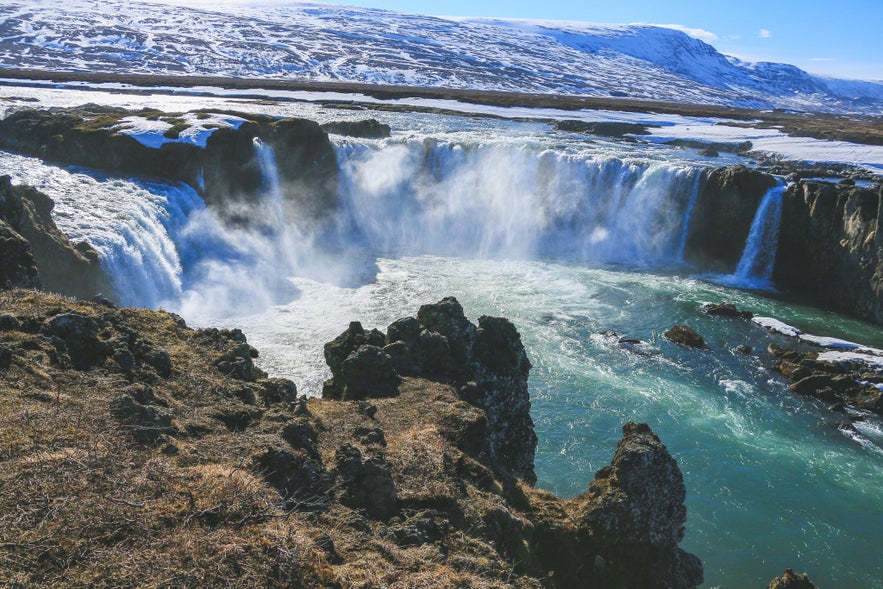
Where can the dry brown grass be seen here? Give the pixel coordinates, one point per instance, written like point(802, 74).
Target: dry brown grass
point(82, 503)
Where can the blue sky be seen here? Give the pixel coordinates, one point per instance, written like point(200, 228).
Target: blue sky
point(842, 39)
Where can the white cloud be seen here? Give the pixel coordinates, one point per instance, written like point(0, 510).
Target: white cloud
point(765, 34)
point(700, 34)
point(821, 59)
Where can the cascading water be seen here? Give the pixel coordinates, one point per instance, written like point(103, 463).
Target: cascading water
point(272, 198)
point(506, 201)
point(755, 268)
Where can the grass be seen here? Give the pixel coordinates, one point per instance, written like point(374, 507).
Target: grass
point(83, 503)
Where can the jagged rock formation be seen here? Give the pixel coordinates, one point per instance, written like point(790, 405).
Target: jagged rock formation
point(831, 246)
point(685, 335)
point(178, 460)
point(226, 169)
point(486, 363)
point(791, 580)
point(37, 254)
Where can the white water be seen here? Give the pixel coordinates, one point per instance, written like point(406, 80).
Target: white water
point(514, 201)
point(759, 256)
point(767, 473)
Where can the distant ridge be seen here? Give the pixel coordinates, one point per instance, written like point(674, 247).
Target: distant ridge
point(328, 43)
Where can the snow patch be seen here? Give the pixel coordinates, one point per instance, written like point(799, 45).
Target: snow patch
point(151, 133)
point(777, 326)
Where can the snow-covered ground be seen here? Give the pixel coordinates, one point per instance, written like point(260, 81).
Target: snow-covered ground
point(325, 42)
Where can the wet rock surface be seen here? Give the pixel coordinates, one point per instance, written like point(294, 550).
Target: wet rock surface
point(685, 336)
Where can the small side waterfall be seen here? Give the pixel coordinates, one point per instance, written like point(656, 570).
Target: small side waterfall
point(755, 268)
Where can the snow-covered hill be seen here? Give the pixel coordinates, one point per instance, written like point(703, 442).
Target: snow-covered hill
point(322, 42)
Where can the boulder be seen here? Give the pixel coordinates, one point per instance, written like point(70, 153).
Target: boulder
point(791, 580)
point(365, 483)
point(632, 518)
point(366, 129)
point(685, 335)
point(725, 310)
point(17, 266)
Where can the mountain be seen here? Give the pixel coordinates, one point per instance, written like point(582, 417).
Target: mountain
point(323, 42)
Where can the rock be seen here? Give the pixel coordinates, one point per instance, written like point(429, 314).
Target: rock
point(278, 390)
point(6, 355)
point(709, 152)
point(17, 266)
point(365, 483)
point(9, 322)
point(80, 335)
point(367, 372)
point(147, 423)
point(722, 216)
point(743, 349)
point(633, 516)
point(791, 580)
point(301, 435)
point(301, 479)
point(831, 247)
point(366, 129)
point(441, 344)
point(604, 129)
point(725, 310)
point(685, 335)
point(238, 362)
point(422, 528)
point(36, 254)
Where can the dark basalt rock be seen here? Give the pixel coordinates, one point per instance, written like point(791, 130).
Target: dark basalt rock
point(146, 422)
point(831, 246)
point(725, 310)
point(17, 266)
point(632, 518)
point(365, 129)
point(487, 363)
point(36, 254)
point(301, 479)
point(835, 383)
point(685, 335)
point(791, 580)
point(722, 216)
point(365, 483)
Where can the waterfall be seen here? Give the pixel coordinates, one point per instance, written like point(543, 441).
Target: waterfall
point(508, 201)
point(685, 228)
point(272, 197)
point(755, 268)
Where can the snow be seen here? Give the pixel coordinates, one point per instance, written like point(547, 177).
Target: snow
point(326, 42)
point(777, 326)
point(829, 342)
point(838, 357)
point(151, 132)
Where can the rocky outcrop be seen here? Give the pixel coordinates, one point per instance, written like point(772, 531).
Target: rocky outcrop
point(227, 170)
point(36, 254)
point(722, 216)
point(836, 382)
point(831, 246)
point(631, 520)
point(366, 129)
point(791, 580)
point(487, 363)
point(685, 336)
point(830, 243)
point(129, 411)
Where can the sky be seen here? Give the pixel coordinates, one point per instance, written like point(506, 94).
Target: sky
point(842, 39)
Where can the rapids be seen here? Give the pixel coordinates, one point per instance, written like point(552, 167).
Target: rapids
point(568, 243)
